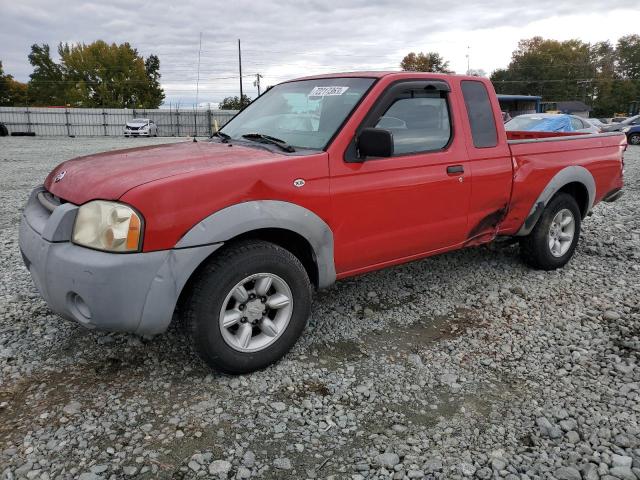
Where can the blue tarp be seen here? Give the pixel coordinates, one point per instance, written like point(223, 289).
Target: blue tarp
point(556, 123)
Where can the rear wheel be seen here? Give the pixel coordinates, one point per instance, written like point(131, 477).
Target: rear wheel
point(248, 306)
point(634, 139)
point(553, 240)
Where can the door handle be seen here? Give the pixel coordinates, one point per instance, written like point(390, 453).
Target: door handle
point(455, 169)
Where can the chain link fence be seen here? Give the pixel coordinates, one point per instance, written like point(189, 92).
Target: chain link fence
point(171, 122)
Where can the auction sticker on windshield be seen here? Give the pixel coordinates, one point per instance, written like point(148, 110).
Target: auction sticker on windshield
point(327, 91)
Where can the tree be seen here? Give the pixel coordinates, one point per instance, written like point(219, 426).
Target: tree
point(606, 91)
point(95, 75)
point(606, 77)
point(233, 103)
point(628, 54)
point(12, 92)
point(421, 62)
point(477, 72)
point(546, 67)
point(46, 86)
point(155, 94)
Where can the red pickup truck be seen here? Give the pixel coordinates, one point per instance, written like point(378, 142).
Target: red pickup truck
point(319, 179)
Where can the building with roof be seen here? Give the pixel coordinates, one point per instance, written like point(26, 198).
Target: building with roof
point(516, 105)
point(573, 107)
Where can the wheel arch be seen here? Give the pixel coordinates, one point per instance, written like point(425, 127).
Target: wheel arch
point(575, 180)
point(286, 224)
point(289, 240)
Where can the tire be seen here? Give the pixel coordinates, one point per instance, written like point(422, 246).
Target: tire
point(4, 131)
point(536, 249)
point(212, 298)
point(634, 139)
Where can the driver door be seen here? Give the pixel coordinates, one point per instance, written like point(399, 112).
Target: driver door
point(389, 210)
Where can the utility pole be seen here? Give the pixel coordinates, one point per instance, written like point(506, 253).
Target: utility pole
point(195, 110)
point(468, 60)
point(240, 71)
point(257, 82)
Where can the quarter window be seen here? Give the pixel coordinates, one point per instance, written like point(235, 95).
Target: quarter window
point(480, 112)
point(419, 122)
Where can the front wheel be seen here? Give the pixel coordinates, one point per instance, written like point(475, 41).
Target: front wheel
point(553, 240)
point(634, 139)
point(248, 306)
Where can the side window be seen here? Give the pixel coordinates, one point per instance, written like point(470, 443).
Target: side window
point(480, 112)
point(419, 122)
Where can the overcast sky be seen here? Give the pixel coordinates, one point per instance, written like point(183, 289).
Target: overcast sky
point(289, 38)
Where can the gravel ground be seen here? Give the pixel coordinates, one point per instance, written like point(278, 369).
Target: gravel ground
point(467, 365)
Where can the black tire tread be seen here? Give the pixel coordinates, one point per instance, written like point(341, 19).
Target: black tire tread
point(533, 248)
point(211, 270)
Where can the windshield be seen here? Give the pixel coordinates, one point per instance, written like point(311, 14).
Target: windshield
point(139, 120)
point(304, 114)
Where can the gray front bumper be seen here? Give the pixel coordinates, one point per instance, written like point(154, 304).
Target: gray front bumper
point(118, 292)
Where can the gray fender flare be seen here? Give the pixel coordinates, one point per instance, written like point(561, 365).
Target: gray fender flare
point(254, 215)
point(567, 175)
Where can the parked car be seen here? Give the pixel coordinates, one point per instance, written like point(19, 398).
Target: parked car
point(550, 122)
point(619, 126)
point(236, 232)
point(141, 127)
point(596, 122)
point(633, 134)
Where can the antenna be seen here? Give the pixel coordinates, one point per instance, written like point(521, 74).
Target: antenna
point(198, 77)
point(240, 72)
point(195, 110)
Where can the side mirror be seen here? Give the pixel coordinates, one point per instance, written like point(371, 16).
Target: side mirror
point(374, 142)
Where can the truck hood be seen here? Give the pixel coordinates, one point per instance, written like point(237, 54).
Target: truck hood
point(110, 175)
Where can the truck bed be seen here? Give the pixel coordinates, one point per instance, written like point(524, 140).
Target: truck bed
point(538, 156)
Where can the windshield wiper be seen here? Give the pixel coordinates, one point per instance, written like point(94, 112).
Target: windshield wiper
point(269, 139)
point(224, 137)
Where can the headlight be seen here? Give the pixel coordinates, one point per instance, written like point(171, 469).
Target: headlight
point(109, 226)
point(626, 129)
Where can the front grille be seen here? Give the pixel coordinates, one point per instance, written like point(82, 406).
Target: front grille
point(132, 128)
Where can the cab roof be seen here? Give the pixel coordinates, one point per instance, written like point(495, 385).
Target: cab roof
point(381, 74)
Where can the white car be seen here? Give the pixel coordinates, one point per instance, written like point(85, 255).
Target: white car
point(141, 127)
